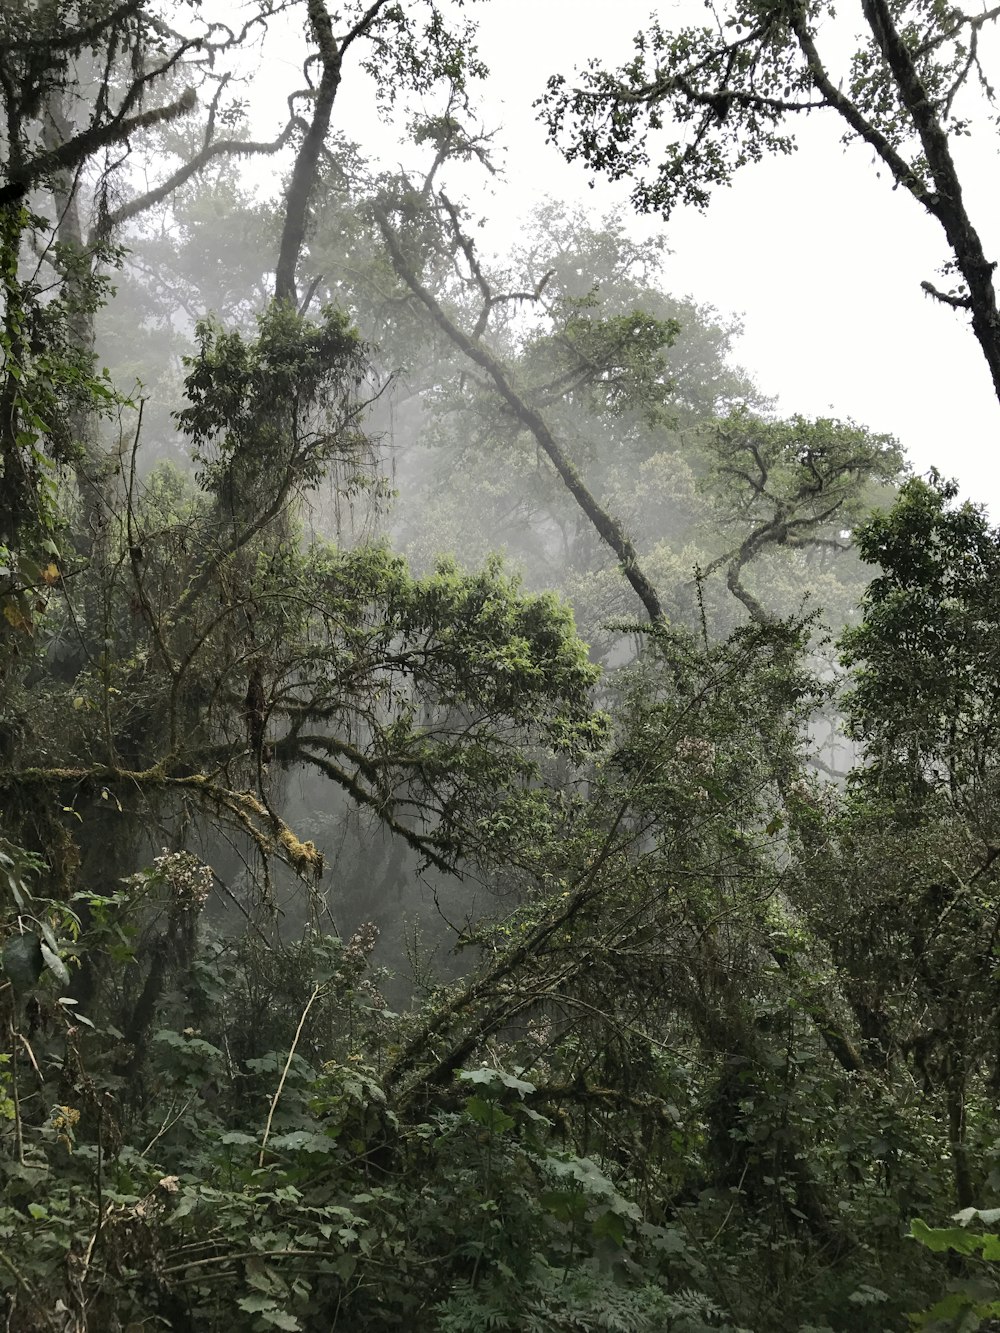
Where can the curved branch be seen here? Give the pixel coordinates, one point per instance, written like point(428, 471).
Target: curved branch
point(79, 37)
point(607, 527)
point(424, 844)
point(218, 148)
point(89, 142)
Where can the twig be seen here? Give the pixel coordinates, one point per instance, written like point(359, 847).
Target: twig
point(957, 302)
point(284, 1073)
point(168, 1124)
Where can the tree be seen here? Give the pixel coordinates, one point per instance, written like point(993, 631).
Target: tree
point(54, 138)
point(173, 627)
point(924, 659)
point(583, 368)
point(671, 1070)
point(718, 97)
point(617, 392)
point(902, 886)
point(130, 55)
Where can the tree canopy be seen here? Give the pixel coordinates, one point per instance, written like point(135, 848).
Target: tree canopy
point(697, 104)
point(497, 827)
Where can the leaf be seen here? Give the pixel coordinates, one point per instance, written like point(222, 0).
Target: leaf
point(610, 1225)
point(489, 1115)
point(866, 1295)
point(260, 1276)
point(55, 965)
point(344, 1266)
point(536, 1116)
point(48, 935)
point(185, 1205)
point(303, 1140)
point(488, 1076)
point(566, 1205)
point(256, 1303)
point(16, 616)
point(280, 1319)
point(939, 1239)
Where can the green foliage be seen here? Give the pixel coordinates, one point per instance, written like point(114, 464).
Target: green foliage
point(281, 404)
point(695, 104)
point(973, 1301)
point(810, 478)
point(712, 1030)
point(925, 683)
point(47, 380)
point(727, 134)
point(616, 365)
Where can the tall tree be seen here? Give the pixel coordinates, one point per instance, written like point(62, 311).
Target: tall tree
point(698, 103)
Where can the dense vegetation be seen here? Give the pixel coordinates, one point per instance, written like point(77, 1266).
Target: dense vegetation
point(498, 829)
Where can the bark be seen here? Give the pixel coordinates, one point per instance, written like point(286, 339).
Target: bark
point(75, 151)
point(304, 172)
point(965, 1194)
point(437, 1041)
point(95, 468)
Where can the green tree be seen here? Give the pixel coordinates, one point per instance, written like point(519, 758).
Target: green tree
point(696, 104)
point(923, 698)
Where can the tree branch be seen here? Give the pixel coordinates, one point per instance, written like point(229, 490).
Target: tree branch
point(607, 527)
point(91, 141)
point(956, 302)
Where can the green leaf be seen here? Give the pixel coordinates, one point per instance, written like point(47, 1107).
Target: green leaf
point(490, 1076)
point(940, 1239)
point(55, 965)
point(280, 1319)
point(610, 1225)
point(566, 1205)
point(344, 1266)
point(866, 1295)
point(256, 1303)
point(489, 1115)
point(302, 1140)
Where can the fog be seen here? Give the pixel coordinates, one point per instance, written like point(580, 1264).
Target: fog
point(654, 410)
point(499, 750)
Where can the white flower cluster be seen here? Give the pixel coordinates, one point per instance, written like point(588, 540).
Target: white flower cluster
point(189, 880)
point(361, 943)
point(696, 753)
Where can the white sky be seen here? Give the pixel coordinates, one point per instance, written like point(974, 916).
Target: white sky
point(820, 258)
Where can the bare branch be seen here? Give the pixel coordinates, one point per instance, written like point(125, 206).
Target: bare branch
point(956, 302)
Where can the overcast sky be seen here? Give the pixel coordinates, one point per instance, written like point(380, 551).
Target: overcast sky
point(820, 258)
